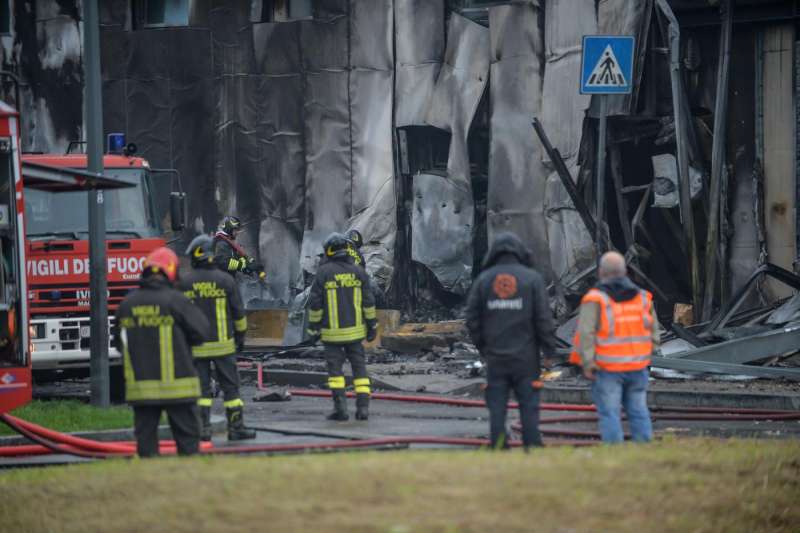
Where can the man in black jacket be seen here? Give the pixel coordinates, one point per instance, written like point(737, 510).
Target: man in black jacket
point(217, 296)
point(156, 327)
point(509, 320)
point(341, 312)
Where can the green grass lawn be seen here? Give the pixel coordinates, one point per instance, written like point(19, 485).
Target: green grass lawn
point(72, 415)
point(676, 485)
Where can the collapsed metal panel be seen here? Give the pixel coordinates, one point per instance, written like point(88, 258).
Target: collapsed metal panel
point(441, 223)
point(419, 45)
point(373, 208)
point(456, 95)
point(517, 176)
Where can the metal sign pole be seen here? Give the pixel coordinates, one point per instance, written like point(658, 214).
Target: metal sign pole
point(601, 177)
point(98, 293)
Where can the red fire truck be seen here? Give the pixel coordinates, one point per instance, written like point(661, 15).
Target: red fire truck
point(15, 344)
point(57, 262)
point(15, 362)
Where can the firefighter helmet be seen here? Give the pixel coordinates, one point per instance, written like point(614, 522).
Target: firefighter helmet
point(336, 245)
point(356, 238)
point(201, 249)
point(162, 260)
point(230, 225)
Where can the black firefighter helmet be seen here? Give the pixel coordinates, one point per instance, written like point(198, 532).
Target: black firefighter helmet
point(336, 245)
point(230, 225)
point(201, 249)
point(356, 238)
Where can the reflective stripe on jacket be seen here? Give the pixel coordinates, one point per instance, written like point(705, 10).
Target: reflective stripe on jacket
point(217, 296)
point(341, 305)
point(624, 339)
point(155, 329)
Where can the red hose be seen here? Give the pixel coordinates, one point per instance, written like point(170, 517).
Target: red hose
point(439, 400)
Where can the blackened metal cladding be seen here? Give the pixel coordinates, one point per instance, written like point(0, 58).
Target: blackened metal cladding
point(517, 176)
point(327, 133)
point(625, 17)
point(280, 184)
point(441, 225)
point(419, 45)
point(348, 62)
point(48, 43)
point(566, 22)
point(456, 95)
point(373, 202)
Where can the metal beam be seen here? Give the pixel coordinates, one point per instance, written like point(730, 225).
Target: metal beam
point(678, 93)
point(717, 156)
point(689, 365)
point(747, 349)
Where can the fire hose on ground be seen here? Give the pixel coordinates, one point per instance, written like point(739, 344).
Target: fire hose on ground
point(49, 441)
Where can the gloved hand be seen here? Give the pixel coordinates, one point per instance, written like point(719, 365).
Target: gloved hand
point(314, 335)
point(372, 334)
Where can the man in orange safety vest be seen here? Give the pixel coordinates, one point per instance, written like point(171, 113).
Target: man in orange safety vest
point(617, 333)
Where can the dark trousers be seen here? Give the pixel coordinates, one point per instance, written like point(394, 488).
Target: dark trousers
point(501, 380)
point(337, 354)
point(225, 371)
point(184, 421)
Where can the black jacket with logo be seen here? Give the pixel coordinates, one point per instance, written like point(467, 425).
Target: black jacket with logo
point(217, 296)
point(507, 310)
point(341, 305)
point(156, 326)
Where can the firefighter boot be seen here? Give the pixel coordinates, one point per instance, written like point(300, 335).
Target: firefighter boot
point(339, 406)
point(236, 429)
point(362, 406)
point(205, 423)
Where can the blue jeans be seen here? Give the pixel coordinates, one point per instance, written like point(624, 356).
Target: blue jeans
point(611, 391)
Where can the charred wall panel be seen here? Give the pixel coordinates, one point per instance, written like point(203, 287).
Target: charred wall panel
point(517, 176)
point(326, 111)
point(419, 44)
point(48, 57)
point(371, 99)
point(456, 95)
point(280, 202)
point(566, 22)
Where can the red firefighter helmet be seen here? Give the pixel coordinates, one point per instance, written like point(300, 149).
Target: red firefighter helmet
point(162, 260)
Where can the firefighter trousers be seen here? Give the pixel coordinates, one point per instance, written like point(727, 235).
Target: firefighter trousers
point(184, 421)
point(500, 381)
point(226, 373)
point(337, 354)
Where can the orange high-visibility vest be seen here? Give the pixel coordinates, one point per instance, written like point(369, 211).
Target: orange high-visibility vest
point(624, 342)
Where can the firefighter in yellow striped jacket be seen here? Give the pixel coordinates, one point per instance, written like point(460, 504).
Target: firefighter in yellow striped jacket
point(341, 312)
point(217, 296)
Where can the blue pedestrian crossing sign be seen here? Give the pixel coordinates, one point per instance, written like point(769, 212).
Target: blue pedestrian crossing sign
point(607, 64)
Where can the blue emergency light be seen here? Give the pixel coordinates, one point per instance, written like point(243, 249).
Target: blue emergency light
point(115, 143)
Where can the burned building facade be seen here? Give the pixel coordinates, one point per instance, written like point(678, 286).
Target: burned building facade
point(410, 120)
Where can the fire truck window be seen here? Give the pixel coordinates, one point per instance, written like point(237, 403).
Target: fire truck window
point(65, 215)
